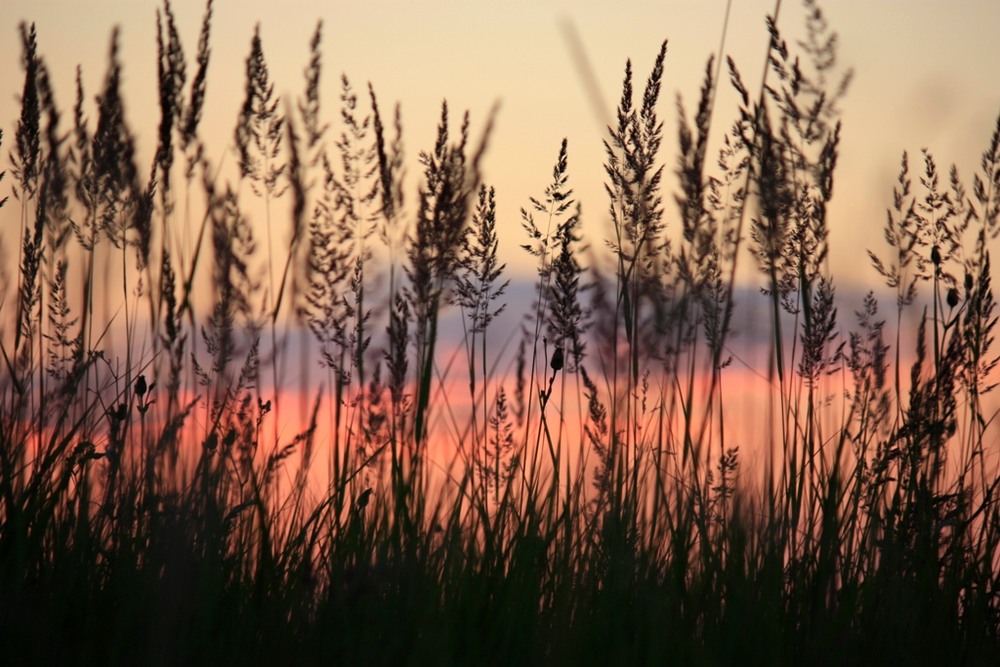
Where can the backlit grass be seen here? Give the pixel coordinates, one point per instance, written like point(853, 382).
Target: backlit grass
point(592, 504)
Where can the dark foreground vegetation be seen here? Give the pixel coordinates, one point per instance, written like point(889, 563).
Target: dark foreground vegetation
point(590, 506)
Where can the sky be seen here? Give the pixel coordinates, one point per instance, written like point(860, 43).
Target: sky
point(924, 76)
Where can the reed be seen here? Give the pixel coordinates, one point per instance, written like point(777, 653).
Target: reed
point(583, 497)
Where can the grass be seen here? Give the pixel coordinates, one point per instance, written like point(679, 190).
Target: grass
point(590, 506)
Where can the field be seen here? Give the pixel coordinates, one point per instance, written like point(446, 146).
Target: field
point(268, 414)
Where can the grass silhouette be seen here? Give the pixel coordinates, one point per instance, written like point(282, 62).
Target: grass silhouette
point(593, 506)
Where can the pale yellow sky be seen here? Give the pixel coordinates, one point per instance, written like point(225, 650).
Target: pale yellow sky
point(925, 75)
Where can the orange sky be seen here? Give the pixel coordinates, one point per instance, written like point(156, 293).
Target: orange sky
point(924, 76)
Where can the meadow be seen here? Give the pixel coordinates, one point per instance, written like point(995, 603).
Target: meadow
point(429, 489)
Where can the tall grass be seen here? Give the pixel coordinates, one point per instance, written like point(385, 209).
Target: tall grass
point(590, 505)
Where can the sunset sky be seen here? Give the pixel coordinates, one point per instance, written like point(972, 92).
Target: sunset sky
point(925, 76)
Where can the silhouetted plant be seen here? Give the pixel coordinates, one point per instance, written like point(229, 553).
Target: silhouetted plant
point(602, 508)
